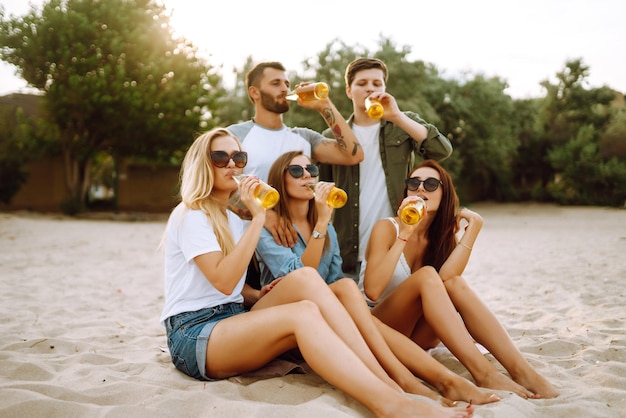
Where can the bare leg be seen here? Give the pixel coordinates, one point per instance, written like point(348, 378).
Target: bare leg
point(261, 335)
point(450, 384)
point(487, 330)
point(306, 284)
point(351, 298)
point(424, 293)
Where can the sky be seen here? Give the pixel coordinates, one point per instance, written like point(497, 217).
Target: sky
point(522, 42)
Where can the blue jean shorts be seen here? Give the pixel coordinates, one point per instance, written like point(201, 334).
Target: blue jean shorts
point(188, 335)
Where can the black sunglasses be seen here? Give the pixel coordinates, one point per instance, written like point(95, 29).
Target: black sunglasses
point(430, 184)
point(221, 159)
point(297, 171)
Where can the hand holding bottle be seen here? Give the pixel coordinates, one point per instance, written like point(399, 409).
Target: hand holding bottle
point(336, 198)
point(322, 192)
point(264, 194)
point(309, 91)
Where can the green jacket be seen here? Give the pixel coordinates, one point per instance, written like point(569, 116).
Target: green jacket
point(399, 153)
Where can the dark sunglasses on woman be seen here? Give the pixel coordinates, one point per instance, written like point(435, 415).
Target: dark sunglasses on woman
point(297, 171)
point(221, 159)
point(430, 184)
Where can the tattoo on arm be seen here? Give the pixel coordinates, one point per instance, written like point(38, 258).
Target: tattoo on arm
point(341, 143)
point(329, 116)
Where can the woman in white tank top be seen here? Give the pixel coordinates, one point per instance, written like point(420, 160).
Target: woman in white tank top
point(412, 278)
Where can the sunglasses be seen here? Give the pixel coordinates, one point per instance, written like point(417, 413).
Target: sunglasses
point(430, 184)
point(221, 159)
point(297, 171)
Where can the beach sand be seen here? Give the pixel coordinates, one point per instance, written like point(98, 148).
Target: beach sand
point(81, 299)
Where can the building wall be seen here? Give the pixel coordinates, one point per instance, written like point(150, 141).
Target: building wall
point(141, 187)
point(147, 188)
point(44, 189)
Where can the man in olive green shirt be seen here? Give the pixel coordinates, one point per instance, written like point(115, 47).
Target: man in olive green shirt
point(391, 145)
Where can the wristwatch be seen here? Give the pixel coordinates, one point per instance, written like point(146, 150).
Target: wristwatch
point(317, 235)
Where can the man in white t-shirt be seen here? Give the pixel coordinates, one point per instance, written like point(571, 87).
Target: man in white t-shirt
point(266, 137)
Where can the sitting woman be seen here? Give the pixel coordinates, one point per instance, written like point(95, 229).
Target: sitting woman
point(293, 175)
point(399, 256)
point(209, 333)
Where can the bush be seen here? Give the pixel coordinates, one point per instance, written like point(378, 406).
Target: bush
point(583, 178)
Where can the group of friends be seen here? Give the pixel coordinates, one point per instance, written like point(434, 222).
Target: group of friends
point(357, 293)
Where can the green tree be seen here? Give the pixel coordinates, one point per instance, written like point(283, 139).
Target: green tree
point(570, 104)
point(490, 142)
point(532, 153)
point(613, 139)
point(114, 79)
point(573, 119)
point(583, 177)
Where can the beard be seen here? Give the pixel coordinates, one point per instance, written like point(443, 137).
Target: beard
point(273, 105)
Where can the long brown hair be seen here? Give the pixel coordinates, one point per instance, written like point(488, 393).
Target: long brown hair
point(441, 234)
point(276, 179)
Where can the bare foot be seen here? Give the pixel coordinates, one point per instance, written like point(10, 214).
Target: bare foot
point(536, 383)
point(499, 381)
point(416, 387)
point(413, 408)
point(459, 389)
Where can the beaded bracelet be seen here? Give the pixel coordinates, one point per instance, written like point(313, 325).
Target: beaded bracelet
point(463, 245)
point(401, 239)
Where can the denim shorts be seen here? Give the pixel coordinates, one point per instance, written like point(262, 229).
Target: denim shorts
point(188, 335)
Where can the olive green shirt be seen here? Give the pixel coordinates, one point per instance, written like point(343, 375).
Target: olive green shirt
point(399, 153)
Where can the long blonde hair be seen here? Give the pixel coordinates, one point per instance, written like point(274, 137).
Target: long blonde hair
point(196, 184)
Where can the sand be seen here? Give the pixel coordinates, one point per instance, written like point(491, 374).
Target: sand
point(81, 298)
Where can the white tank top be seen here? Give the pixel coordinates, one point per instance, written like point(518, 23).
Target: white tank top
point(400, 273)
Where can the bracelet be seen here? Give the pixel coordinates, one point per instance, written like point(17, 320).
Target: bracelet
point(463, 245)
point(401, 239)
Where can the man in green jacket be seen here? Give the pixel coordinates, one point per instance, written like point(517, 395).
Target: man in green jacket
point(391, 145)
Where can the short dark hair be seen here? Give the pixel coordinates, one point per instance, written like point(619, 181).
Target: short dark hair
point(255, 74)
point(361, 64)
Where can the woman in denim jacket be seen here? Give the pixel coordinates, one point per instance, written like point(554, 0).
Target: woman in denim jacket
point(309, 212)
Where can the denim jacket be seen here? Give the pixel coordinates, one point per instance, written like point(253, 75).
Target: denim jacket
point(278, 261)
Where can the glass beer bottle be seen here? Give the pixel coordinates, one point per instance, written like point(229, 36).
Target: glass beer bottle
point(266, 195)
point(313, 91)
point(413, 212)
point(337, 197)
point(374, 109)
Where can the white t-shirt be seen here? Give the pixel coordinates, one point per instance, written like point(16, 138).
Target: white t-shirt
point(189, 233)
point(264, 145)
point(373, 200)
